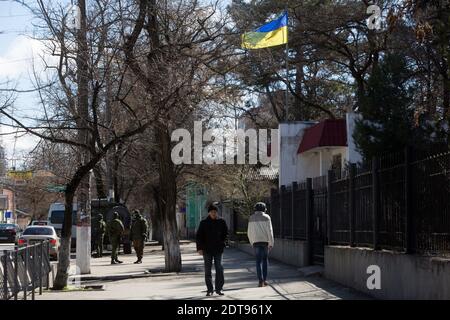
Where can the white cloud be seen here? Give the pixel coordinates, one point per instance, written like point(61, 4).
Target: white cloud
point(17, 147)
point(16, 65)
point(18, 59)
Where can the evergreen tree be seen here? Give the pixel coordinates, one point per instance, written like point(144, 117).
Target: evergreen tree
point(386, 125)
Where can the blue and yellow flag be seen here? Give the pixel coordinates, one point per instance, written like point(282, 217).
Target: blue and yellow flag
point(274, 33)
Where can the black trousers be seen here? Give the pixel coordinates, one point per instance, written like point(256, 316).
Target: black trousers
point(220, 279)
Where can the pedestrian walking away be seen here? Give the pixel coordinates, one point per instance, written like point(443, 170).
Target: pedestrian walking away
point(100, 229)
point(138, 235)
point(260, 235)
point(212, 236)
point(116, 230)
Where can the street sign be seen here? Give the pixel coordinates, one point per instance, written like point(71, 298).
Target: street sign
point(56, 188)
point(20, 175)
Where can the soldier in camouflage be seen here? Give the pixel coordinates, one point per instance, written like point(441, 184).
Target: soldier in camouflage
point(138, 235)
point(100, 230)
point(116, 230)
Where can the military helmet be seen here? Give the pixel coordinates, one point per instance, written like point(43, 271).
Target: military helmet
point(260, 206)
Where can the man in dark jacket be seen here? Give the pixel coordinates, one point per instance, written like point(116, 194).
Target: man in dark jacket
point(138, 235)
point(212, 235)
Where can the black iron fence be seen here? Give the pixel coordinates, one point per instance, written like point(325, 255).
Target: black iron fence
point(23, 271)
point(398, 202)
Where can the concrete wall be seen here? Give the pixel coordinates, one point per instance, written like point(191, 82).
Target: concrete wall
point(402, 276)
point(290, 135)
point(291, 252)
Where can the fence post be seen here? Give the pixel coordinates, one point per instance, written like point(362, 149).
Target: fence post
point(375, 203)
point(16, 273)
point(47, 257)
point(351, 202)
point(409, 215)
point(33, 268)
point(294, 191)
point(41, 262)
point(5, 275)
point(329, 210)
point(309, 220)
point(25, 274)
point(282, 193)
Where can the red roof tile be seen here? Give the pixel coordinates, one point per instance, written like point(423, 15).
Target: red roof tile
point(329, 133)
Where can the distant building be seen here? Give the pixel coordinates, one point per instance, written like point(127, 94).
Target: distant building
point(310, 149)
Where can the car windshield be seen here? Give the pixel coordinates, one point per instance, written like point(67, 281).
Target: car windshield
point(57, 217)
point(38, 232)
point(7, 226)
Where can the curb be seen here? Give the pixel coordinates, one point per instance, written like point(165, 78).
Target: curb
point(132, 276)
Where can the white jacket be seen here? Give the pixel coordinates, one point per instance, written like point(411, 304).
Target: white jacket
point(260, 228)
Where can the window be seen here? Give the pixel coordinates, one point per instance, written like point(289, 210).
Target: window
point(336, 163)
point(38, 232)
point(57, 217)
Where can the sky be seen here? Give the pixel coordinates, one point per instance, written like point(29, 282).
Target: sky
point(16, 56)
point(18, 53)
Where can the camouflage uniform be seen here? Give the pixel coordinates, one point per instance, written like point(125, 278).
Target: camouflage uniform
point(116, 230)
point(138, 235)
point(100, 235)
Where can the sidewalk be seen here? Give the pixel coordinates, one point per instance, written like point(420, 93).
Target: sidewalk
point(285, 282)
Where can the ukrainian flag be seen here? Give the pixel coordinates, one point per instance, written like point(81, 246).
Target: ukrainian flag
point(274, 33)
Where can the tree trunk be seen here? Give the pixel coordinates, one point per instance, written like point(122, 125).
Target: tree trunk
point(66, 237)
point(167, 201)
point(156, 218)
point(101, 193)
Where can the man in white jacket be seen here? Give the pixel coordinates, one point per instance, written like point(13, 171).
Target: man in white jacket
point(260, 234)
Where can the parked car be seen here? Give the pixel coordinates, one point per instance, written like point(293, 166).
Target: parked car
point(9, 233)
point(34, 234)
point(56, 219)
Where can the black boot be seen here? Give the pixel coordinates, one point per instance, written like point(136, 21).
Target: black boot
point(113, 262)
point(118, 261)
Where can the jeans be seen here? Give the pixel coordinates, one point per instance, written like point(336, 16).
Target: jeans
point(262, 256)
point(220, 279)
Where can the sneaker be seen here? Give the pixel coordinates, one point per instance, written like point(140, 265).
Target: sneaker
point(265, 284)
point(220, 293)
point(261, 284)
point(209, 294)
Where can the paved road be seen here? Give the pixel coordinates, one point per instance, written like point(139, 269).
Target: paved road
point(285, 282)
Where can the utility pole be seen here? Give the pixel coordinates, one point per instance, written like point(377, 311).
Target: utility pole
point(84, 221)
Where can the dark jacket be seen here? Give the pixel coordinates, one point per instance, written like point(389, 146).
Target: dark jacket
point(212, 235)
point(139, 229)
point(116, 228)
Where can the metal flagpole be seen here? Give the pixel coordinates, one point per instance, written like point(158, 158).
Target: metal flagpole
point(287, 67)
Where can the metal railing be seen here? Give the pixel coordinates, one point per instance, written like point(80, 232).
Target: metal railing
point(397, 202)
point(23, 271)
